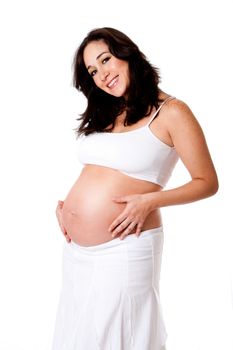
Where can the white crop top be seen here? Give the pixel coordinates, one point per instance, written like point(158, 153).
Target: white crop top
point(137, 153)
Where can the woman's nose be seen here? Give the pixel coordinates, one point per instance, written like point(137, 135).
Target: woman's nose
point(104, 76)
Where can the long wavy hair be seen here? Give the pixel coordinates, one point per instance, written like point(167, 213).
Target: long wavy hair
point(102, 108)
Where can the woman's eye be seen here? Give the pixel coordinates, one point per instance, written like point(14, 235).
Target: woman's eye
point(106, 59)
point(93, 73)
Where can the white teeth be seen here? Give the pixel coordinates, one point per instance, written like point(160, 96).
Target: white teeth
point(112, 83)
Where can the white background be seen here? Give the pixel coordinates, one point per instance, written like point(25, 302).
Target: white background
point(190, 42)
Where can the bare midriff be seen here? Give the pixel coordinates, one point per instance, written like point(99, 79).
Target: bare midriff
point(89, 208)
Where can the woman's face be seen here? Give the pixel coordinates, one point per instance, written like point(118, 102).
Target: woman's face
point(108, 72)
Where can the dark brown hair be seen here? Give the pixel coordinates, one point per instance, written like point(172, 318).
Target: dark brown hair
point(103, 108)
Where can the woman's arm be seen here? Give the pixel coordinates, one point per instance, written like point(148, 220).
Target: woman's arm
point(188, 138)
point(189, 141)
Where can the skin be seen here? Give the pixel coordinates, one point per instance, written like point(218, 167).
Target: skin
point(176, 126)
point(181, 129)
point(109, 73)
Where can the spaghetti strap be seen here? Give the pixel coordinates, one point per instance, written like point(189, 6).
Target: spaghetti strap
point(157, 111)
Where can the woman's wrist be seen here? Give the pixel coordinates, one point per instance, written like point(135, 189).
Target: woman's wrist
point(152, 200)
point(191, 191)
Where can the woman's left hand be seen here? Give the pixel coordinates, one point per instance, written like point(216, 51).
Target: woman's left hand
point(134, 215)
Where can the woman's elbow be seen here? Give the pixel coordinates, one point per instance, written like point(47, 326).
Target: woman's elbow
point(213, 185)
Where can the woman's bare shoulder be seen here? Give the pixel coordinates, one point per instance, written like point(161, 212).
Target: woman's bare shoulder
point(177, 113)
point(177, 107)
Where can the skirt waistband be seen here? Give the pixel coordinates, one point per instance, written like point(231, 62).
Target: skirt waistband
point(117, 241)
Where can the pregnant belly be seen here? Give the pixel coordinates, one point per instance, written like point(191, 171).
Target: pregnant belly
point(89, 209)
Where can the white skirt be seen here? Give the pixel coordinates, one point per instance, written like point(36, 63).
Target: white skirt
point(110, 295)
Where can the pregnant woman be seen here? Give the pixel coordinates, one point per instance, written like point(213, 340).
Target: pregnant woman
point(129, 140)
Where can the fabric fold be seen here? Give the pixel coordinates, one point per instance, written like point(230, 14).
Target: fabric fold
point(110, 295)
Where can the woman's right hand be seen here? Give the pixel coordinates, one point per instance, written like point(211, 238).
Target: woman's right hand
point(59, 218)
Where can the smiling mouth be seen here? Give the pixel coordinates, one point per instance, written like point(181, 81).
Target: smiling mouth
point(113, 82)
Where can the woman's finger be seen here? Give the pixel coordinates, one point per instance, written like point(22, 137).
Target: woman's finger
point(58, 214)
point(62, 229)
point(121, 227)
point(139, 229)
point(114, 227)
point(128, 230)
point(68, 239)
